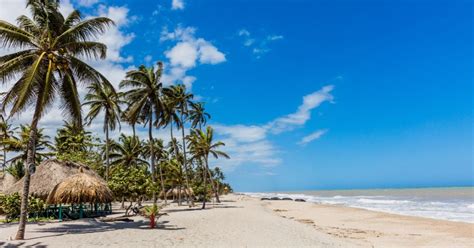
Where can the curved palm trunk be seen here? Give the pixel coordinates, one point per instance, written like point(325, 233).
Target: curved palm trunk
point(133, 130)
point(184, 159)
point(204, 194)
point(152, 154)
point(4, 157)
point(30, 159)
point(176, 154)
point(214, 188)
point(107, 162)
point(163, 183)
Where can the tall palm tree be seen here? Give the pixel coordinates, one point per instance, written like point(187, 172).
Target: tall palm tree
point(104, 99)
point(128, 152)
point(48, 65)
point(202, 144)
point(198, 115)
point(145, 102)
point(180, 100)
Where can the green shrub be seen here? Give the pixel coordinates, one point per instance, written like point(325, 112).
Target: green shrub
point(10, 205)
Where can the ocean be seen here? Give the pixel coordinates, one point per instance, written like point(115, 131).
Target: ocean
point(455, 204)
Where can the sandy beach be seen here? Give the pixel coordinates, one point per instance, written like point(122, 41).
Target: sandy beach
point(242, 221)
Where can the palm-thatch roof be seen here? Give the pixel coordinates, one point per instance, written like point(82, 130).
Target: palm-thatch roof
point(6, 181)
point(48, 174)
point(175, 192)
point(81, 188)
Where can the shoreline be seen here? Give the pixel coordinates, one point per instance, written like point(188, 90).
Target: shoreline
point(456, 207)
point(242, 220)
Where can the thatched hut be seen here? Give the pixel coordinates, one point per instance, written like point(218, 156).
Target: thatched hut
point(48, 174)
point(175, 192)
point(80, 188)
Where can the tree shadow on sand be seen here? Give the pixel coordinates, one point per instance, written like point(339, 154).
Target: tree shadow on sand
point(95, 226)
point(20, 244)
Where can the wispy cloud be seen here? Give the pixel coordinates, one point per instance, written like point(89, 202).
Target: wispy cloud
point(250, 143)
point(313, 136)
point(258, 45)
point(303, 114)
point(87, 3)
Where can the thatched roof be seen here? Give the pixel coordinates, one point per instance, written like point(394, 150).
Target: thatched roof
point(176, 190)
point(80, 188)
point(48, 174)
point(6, 181)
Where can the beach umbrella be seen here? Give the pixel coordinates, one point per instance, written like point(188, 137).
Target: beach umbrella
point(81, 188)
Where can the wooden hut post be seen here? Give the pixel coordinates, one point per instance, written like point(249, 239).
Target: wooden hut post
point(60, 213)
point(81, 211)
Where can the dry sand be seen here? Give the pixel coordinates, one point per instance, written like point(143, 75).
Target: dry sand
point(241, 221)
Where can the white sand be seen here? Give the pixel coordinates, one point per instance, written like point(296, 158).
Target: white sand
point(242, 221)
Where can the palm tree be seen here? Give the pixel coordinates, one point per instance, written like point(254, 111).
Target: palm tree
point(71, 139)
point(6, 133)
point(160, 154)
point(145, 102)
point(198, 115)
point(202, 145)
point(218, 176)
point(180, 100)
point(20, 142)
point(104, 99)
point(128, 152)
point(48, 65)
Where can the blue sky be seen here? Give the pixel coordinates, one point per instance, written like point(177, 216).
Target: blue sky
point(387, 85)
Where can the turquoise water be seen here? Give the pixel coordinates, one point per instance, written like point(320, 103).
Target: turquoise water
point(455, 204)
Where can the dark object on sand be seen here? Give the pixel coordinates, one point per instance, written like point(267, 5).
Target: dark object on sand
point(113, 219)
point(300, 200)
point(275, 199)
point(264, 199)
point(287, 199)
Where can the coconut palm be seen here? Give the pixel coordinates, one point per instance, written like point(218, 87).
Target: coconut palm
point(145, 102)
point(72, 139)
point(20, 142)
point(128, 152)
point(48, 65)
point(104, 99)
point(160, 154)
point(197, 115)
point(202, 144)
point(179, 99)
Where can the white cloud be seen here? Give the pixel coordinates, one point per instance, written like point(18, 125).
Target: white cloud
point(115, 38)
point(183, 54)
point(244, 32)
point(275, 37)
point(177, 4)
point(313, 136)
point(258, 46)
point(242, 133)
point(187, 53)
point(87, 3)
point(250, 144)
point(209, 53)
point(148, 58)
point(303, 114)
point(65, 7)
